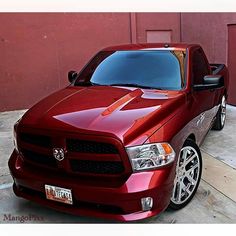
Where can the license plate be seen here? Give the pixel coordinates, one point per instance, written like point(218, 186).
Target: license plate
point(58, 194)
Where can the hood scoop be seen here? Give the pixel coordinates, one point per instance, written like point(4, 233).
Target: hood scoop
point(120, 103)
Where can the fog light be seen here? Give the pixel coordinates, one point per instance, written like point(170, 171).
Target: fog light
point(147, 203)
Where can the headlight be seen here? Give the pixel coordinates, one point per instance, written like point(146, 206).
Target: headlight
point(150, 156)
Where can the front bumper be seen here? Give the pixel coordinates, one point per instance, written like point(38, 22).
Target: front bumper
point(122, 203)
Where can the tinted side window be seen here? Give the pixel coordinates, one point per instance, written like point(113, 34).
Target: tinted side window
point(199, 67)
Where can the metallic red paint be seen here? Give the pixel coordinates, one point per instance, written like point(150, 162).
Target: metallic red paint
point(95, 110)
point(121, 116)
point(126, 195)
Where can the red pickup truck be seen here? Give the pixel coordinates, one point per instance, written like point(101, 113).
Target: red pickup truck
point(122, 140)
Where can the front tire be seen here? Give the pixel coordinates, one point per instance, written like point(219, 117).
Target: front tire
point(220, 116)
point(188, 175)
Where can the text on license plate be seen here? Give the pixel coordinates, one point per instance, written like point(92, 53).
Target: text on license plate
point(58, 194)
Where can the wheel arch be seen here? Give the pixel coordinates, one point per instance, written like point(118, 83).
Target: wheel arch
point(191, 137)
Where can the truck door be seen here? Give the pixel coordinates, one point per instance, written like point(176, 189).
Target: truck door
point(202, 100)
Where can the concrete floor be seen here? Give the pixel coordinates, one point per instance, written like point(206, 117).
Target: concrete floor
point(216, 141)
point(215, 200)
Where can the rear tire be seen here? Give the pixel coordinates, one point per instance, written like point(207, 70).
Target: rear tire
point(220, 116)
point(188, 175)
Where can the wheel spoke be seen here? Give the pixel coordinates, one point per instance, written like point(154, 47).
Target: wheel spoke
point(187, 190)
point(191, 179)
point(223, 110)
point(174, 189)
point(180, 187)
point(190, 159)
point(185, 153)
point(187, 175)
point(187, 172)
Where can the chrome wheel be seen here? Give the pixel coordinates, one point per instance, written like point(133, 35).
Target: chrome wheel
point(187, 175)
point(223, 110)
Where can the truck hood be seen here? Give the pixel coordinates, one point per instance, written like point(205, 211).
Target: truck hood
point(129, 114)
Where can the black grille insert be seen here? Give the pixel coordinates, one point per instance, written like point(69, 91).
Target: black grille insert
point(39, 158)
point(35, 139)
point(75, 145)
point(97, 167)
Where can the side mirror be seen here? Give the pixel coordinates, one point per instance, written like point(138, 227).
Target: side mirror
point(210, 82)
point(72, 76)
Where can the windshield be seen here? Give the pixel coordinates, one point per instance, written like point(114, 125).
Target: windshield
point(160, 69)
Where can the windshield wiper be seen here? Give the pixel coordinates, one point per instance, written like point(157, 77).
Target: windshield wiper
point(134, 85)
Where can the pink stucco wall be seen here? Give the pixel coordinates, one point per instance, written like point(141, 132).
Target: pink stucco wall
point(37, 50)
point(164, 21)
point(210, 30)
